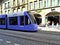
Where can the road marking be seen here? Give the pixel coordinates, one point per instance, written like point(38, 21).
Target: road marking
point(17, 44)
point(8, 42)
point(1, 39)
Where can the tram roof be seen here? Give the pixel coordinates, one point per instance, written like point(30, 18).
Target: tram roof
point(16, 14)
point(3, 14)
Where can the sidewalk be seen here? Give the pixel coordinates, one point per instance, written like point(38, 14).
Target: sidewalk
point(49, 29)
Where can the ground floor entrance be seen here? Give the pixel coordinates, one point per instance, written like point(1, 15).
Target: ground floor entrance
point(53, 20)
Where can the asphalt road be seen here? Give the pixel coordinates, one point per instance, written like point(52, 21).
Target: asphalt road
point(28, 38)
point(7, 40)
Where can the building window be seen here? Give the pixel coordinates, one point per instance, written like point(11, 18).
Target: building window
point(18, 9)
point(1, 9)
point(14, 10)
point(40, 4)
point(46, 3)
point(40, 0)
point(5, 12)
point(35, 5)
point(24, 8)
point(14, 2)
point(31, 6)
point(8, 11)
point(52, 2)
point(18, 2)
point(1, 12)
point(35, 0)
point(58, 2)
point(26, 1)
point(23, 1)
point(8, 4)
point(5, 5)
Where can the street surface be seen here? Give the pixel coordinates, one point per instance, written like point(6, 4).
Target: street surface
point(28, 38)
point(6, 40)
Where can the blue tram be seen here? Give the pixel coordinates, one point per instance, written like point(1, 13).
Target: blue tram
point(24, 21)
point(3, 21)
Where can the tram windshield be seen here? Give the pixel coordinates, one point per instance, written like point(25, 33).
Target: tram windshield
point(36, 18)
point(32, 17)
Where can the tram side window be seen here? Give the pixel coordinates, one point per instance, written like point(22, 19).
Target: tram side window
point(27, 21)
point(21, 20)
point(13, 21)
point(2, 21)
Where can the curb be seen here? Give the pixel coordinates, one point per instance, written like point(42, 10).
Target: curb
point(49, 29)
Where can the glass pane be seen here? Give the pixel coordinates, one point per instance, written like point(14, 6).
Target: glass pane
point(8, 4)
point(2, 21)
point(18, 2)
point(47, 3)
point(44, 3)
point(31, 6)
point(13, 21)
point(27, 21)
point(52, 2)
point(32, 17)
point(36, 5)
point(40, 4)
point(58, 2)
point(21, 20)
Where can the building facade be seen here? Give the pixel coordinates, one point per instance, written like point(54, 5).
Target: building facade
point(48, 9)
